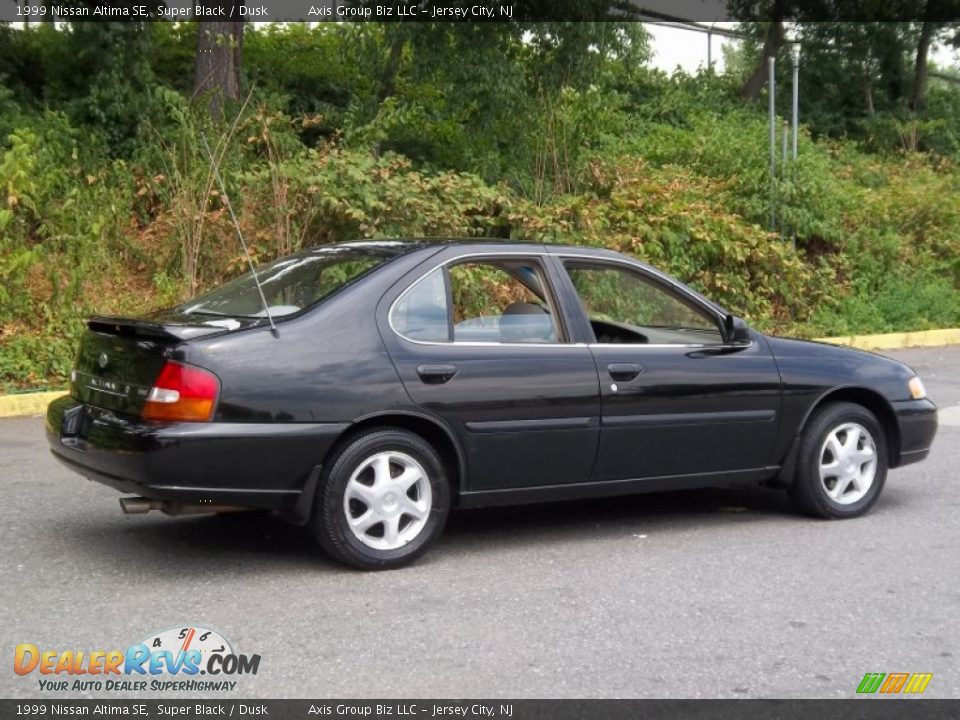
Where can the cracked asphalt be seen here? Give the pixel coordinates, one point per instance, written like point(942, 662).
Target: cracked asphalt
point(713, 593)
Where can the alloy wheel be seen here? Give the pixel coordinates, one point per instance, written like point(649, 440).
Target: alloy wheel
point(848, 463)
point(387, 500)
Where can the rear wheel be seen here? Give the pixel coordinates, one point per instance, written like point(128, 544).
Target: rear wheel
point(842, 463)
point(384, 500)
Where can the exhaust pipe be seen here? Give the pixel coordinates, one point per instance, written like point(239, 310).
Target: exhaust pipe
point(142, 505)
point(138, 505)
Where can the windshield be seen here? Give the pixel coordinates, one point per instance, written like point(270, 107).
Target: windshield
point(293, 283)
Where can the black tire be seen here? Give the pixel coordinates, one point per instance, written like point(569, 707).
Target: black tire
point(807, 491)
point(329, 522)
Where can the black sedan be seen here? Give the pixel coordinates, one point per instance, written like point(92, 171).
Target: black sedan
point(366, 388)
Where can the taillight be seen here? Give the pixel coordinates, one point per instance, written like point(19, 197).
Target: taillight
point(182, 393)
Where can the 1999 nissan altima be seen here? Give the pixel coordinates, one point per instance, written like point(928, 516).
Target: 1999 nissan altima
point(372, 386)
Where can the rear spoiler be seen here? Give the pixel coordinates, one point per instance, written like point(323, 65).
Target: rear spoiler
point(130, 327)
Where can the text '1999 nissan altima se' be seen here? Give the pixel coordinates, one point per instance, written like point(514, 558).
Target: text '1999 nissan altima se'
point(366, 388)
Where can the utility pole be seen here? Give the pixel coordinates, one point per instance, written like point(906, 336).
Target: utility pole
point(795, 120)
point(710, 47)
point(783, 173)
point(783, 157)
point(771, 64)
point(795, 59)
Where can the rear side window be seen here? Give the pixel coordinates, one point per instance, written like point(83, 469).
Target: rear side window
point(487, 301)
point(290, 284)
point(423, 313)
point(500, 302)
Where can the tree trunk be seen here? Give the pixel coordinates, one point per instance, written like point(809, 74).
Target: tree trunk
point(868, 94)
point(388, 79)
point(219, 58)
point(750, 90)
point(918, 99)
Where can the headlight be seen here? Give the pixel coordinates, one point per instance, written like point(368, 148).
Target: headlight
point(917, 390)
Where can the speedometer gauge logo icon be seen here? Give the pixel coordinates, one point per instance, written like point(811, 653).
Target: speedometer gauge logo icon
point(183, 639)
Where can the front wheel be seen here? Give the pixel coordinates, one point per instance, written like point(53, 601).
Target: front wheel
point(842, 463)
point(384, 500)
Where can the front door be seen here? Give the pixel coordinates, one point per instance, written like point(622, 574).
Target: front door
point(676, 399)
point(478, 342)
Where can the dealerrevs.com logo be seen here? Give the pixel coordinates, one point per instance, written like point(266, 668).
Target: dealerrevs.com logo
point(894, 683)
point(169, 661)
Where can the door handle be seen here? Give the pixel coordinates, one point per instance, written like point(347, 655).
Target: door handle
point(436, 374)
point(624, 372)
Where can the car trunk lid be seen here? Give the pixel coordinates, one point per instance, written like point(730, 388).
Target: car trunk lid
point(120, 358)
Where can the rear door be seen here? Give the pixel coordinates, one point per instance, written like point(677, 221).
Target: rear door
point(676, 399)
point(478, 341)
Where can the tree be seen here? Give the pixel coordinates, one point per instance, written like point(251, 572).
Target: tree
point(774, 12)
point(219, 57)
point(933, 28)
point(871, 57)
point(918, 98)
point(772, 42)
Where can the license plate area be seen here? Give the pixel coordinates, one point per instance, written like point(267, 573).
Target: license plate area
point(75, 427)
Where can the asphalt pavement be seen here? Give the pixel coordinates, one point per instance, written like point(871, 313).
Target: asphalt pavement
point(713, 593)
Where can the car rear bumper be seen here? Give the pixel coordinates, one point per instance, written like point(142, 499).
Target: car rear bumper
point(255, 465)
point(917, 421)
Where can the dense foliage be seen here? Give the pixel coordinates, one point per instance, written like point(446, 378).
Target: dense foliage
point(554, 133)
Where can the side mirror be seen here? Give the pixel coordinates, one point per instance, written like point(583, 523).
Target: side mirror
point(737, 330)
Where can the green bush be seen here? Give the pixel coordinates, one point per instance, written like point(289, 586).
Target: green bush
point(901, 303)
point(555, 134)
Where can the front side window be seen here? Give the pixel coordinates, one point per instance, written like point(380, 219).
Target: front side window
point(625, 307)
point(490, 301)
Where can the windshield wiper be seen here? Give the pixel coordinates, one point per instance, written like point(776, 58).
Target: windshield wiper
point(212, 313)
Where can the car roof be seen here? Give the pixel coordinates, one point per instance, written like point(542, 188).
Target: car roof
point(409, 245)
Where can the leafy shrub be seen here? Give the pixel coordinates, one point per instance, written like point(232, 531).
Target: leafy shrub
point(560, 134)
point(675, 219)
point(904, 301)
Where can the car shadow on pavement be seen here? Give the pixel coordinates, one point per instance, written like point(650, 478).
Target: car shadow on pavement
point(254, 542)
point(199, 545)
point(598, 517)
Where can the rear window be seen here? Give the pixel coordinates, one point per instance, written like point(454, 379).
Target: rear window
point(291, 284)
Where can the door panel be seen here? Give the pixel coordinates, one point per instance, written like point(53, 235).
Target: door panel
point(525, 416)
point(676, 399)
point(691, 410)
point(479, 343)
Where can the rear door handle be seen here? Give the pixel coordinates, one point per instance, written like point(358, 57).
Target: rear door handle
point(624, 372)
point(436, 374)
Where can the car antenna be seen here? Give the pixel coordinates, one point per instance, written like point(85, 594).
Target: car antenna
point(243, 243)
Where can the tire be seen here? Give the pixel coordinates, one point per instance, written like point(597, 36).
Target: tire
point(390, 485)
point(835, 477)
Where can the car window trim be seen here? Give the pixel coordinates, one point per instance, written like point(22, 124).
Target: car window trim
point(656, 275)
point(444, 266)
point(670, 286)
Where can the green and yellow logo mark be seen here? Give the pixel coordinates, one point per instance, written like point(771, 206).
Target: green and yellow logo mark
point(893, 683)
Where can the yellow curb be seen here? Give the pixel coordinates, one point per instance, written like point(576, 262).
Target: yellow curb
point(27, 403)
point(896, 341)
